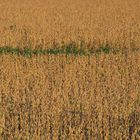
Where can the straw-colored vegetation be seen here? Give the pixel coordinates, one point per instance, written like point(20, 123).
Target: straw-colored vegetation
point(54, 94)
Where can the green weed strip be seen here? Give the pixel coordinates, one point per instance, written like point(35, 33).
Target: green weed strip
point(70, 49)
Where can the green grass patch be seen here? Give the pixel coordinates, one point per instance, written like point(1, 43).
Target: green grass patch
point(66, 49)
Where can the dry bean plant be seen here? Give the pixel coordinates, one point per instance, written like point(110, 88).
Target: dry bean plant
point(68, 97)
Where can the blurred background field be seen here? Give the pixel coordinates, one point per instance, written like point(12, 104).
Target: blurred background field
point(41, 23)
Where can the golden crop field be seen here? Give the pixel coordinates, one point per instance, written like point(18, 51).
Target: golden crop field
point(73, 96)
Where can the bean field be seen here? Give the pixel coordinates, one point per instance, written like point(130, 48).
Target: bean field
point(70, 70)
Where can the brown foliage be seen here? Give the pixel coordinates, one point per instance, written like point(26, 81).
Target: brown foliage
point(70, 97)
